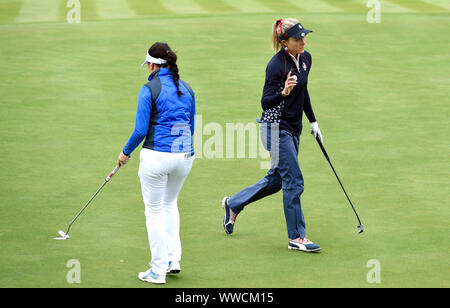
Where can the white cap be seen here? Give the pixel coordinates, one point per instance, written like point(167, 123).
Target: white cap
point(150, 59)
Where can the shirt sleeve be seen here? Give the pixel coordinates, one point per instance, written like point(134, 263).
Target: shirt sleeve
point(192, 121)
point(307, 108)
point(271, 93)
point(143, 112)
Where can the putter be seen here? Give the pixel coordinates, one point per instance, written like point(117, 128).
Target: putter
point(360, 226)
point(65, 235)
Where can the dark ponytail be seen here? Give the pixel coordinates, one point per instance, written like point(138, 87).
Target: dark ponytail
point(163, 51)
point(172, 63)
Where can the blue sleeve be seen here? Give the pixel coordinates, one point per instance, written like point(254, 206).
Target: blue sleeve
point(144, 110)
point(271, 93)
point(192, 122)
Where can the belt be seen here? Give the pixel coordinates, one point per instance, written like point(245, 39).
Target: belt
point(187, 155)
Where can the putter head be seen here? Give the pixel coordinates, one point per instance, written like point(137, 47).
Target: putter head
point(360, 228)
point(63, 234)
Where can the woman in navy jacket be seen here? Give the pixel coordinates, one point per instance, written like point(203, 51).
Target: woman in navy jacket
point(285, 98)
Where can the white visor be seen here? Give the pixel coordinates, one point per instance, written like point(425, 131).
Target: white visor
point(150, 59)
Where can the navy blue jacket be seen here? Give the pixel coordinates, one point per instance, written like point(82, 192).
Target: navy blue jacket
point(287, 111)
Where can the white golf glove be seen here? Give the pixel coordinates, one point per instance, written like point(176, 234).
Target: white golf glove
point(315, 131)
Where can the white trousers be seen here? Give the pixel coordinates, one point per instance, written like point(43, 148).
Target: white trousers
point(162, 175)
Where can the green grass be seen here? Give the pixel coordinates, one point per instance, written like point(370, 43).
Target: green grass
point(68, 97)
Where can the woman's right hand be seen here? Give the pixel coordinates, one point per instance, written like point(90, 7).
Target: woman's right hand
point(122, 159)
point(290, 83)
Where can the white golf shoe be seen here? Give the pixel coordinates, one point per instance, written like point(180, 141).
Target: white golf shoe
point(174, 267)
point(150, 276)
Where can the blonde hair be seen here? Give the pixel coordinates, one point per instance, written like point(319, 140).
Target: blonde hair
point(285, 25)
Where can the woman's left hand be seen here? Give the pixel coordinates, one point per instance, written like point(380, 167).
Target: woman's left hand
point(315, 131)
point(122, 159)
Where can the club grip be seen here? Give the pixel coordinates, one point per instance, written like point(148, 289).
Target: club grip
point(112, 173)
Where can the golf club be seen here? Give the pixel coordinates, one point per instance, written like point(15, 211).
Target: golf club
point(65, 235)
point(360, 226)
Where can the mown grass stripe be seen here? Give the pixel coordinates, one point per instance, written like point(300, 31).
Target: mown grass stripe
point(109, 9)
point(248, 6)
point(282, 6)
point(315, 6)
point(346, 6)
point(418, 6)
point(88, 10)
point(183, 7)
point(442, 3)
point(38, 11)
point(387, 6)
point(216, 6)
point(9, 10)
point(145, 8)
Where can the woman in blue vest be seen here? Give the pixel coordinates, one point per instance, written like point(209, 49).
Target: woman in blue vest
point(165, 119)
point(285, 98)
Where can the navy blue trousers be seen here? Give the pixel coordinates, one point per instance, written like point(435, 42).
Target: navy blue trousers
point(285, 175)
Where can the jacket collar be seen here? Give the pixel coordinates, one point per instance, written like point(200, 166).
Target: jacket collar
point(287, 54)
point(163, 71)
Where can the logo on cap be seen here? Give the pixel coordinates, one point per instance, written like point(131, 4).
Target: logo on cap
point(300, 26)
